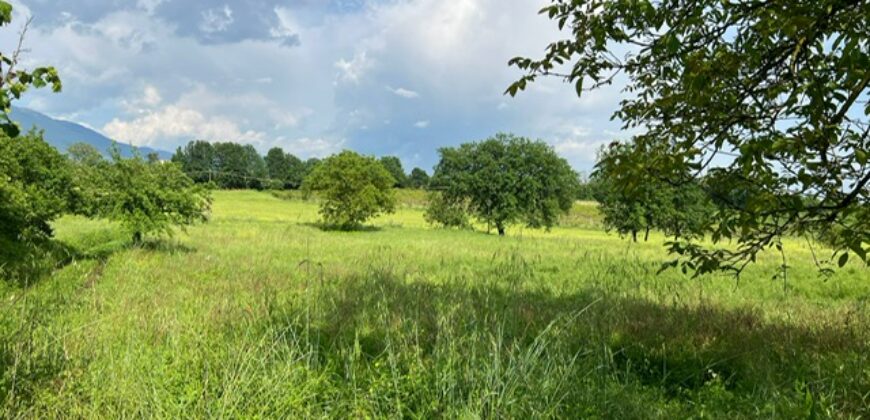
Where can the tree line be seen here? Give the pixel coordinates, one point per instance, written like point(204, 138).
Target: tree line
point(230, 165)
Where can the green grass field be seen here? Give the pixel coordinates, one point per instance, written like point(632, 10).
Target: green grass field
point(261, 314)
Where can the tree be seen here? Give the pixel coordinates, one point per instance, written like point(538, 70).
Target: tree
point(84, 153)
point(35, 187)
point(146, 198)
point(654, 204)
point(197, 160)
point(506, 179)
point(764, 93)
point(239, 166)
point(284, 167)
point(419, 179)
point(394, 165)
point(14, 81)
point(353, 188)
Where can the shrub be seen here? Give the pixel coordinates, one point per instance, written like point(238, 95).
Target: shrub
point(445, 213)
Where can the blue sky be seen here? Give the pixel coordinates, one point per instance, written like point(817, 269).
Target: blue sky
point(398, 77)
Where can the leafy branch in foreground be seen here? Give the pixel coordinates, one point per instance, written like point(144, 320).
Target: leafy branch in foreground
point(13, 80)
point(767, 100)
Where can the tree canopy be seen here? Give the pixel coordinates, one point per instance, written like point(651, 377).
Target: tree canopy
point(352, 188)
point(768, 97)
point(145, 197)
point(507, 179)
point(35, 186)
point(394, 165)
point(418, 179)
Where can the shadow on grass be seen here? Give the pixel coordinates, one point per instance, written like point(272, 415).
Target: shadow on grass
point(675, 351)
point(326, 227)
point(25, 265)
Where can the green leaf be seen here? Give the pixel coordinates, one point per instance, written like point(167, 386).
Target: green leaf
point(844, 258)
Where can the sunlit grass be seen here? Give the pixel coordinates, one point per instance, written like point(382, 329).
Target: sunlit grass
point(259, 312)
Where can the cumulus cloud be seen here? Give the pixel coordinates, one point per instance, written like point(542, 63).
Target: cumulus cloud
point(173, 122)
point(421, 124)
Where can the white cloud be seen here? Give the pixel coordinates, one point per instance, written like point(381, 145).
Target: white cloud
point(421, 124)
point(353, 70)
point(216, 19)
point(405, 93)
point(174, 122)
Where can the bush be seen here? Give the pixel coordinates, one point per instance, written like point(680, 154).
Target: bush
point(352, 187)
point(35, 187)
point(445, 213)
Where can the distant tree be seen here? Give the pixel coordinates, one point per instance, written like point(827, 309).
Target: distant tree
point(297, 172)
point(84, 153)
point(239, 166)
point(419, 179)
point(445, 213)
point(285, 167)
point(394, 165)
point(507, 179)
point(153, 157)
point(778, 87)
point(35, 187)
point(14, 80)
point(677, 210)
point(197, 160)
point(352, 187)
point(146, 198)
point(309, 166)
point(277, 164)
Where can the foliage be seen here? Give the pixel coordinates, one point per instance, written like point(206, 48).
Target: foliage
point(285, 167)
point(84, 154)
point(14, 81)
point(766, 93)
point(679, 211)
point(506, 179)
point(353, 188)
point(197, 160)
point(145, 197)
point(446, 213)
point(418, 179)
point(394, 165)
point(35, 187)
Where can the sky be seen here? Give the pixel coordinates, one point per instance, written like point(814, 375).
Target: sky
point(314, 77)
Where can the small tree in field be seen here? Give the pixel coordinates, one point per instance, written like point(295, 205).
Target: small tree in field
point(353, 188)
point(678, 211)
point(507, 179)
point(147, 198)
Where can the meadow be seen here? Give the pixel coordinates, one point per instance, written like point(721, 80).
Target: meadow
point(260, 313)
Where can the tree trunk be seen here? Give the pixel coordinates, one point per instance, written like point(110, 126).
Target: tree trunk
point(633, 235)
point(500, 229)
point(137, 238)
point(646, 235)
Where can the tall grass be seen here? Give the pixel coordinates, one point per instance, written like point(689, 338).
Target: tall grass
point(261, 314)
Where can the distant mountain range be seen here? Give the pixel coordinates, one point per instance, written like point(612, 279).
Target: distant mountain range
point(62, 134)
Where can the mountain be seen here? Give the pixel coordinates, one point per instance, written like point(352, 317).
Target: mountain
point(61, 134)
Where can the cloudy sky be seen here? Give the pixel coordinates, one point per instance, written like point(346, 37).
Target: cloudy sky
point(398, 77)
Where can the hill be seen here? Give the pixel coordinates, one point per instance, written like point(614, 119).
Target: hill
point(61, 134)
